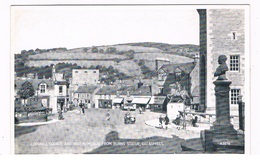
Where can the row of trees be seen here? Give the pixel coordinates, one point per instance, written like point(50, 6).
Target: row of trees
point(108, 74)
point(129, 53)
point(146, 71)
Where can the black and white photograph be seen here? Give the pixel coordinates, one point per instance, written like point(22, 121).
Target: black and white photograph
point(120, 79)
point(134, 78)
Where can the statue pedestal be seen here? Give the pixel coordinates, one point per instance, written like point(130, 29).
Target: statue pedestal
point(222, 134)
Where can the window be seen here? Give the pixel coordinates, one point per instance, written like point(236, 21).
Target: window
point(160, 77)
point(234, 63)
point(42, 88)
point(234, 96)
point(76, 71)
point(60, 89)
point(234, 35)
point(94, 71)
point(86, 71)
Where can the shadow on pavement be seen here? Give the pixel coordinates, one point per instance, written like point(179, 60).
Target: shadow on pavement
point(150, 145)
point(21, 130)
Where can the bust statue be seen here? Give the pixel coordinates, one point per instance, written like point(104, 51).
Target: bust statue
point(222, 68)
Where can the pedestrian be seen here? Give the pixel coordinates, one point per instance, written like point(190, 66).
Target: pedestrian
point(83, 108)
point(81, 105)
point(108, 116)
point(161, 121)
point(194, 122)
point(140, 110)
point(177, 121)
point(167, 120)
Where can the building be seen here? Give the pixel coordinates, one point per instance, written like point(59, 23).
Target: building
point(169, 74)
point(53, 93)
point(85, 77)
point(82, 77)
point(104, 97)
point(141, 96)
point(86, 95)
point(222, 32)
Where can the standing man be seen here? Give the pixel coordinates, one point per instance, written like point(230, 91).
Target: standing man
point(167, 120)
point(81, 105)
point(108, 116)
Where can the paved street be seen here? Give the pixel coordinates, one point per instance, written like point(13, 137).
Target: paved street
point(91, 133)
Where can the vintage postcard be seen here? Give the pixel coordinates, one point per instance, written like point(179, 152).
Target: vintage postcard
point(130, 79)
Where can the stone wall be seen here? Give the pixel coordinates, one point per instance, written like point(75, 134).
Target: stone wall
point(221, 23)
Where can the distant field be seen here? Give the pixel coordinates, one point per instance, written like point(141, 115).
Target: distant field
point(128, 67)
point(153, 56)
point(137, 48)
point(149, 58)
point(120, 48)
point(146, 51)
point(77, 55)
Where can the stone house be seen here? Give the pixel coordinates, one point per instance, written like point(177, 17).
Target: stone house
point(86, 95)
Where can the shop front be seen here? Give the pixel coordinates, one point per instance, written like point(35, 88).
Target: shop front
point(118, 102)
point(141, 102)
point(61, 105)
point(157, 103)
point(105, 103)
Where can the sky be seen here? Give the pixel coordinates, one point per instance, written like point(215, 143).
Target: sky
point(47, 27)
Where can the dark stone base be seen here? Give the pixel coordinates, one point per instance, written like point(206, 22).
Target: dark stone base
point(218, 141)
point(192, 145)
point(195, 146)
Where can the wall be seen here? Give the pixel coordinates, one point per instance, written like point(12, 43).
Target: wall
point(91, 77)
point(221, 24)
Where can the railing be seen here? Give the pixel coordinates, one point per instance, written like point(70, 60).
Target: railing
point(209, 115)
point(241, 109)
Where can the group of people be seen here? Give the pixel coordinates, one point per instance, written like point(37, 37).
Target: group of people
point(179, 121)
point(164, 122)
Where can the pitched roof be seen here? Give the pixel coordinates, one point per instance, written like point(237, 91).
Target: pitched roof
point(58, 77)
point(196, 91)
point(107, 90)
point(171, 80)
point(35, 83)
point(142, 91)
point(186, 67)
point(86, 89)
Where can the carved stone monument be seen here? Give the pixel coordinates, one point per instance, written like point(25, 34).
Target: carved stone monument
point(222, 134)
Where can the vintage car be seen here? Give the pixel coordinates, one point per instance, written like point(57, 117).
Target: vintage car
point(129, 107)
point(128, 119)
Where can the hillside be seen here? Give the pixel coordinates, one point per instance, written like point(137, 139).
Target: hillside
point(124, 57)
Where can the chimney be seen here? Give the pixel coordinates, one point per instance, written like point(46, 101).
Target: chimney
point(156, 65)
point(150, 88)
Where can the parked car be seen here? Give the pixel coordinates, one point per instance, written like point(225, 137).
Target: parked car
point(129, 106)
point(128, 119)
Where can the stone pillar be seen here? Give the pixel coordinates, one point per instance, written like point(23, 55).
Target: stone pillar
point(222, 128)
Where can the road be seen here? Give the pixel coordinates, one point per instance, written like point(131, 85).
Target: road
point(91, 133)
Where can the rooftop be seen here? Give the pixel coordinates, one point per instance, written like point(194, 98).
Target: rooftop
point(86, 89)
point(35, 83)
point(186, 67)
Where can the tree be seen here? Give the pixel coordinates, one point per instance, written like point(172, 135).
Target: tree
point(94, 49)
point(101, 50)
point(85, 50)
point(26, 90)
point(111, 50)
